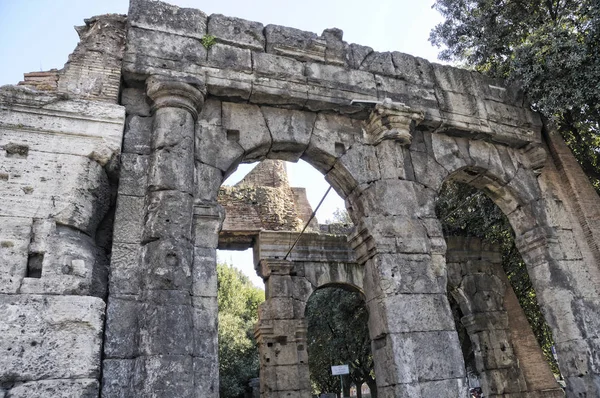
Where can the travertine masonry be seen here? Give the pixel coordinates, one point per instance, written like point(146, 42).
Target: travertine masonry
point(385, 128)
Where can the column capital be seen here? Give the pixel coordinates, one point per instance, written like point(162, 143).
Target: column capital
point(392, 121)
point(172, 93)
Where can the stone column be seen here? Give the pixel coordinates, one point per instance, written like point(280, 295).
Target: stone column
point(281, 336)
point(165, 319)
point(414, 342)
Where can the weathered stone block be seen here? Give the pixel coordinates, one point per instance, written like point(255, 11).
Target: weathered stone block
point(138, 130)
point(294, 43)
point(205, 272)
point(406, 273)
point(206, 377)
point(15, 236)
point(331, 138)
point(236, 31)
point(218, 147)
point(228, 84)
point(156, 15)
point(54, 337)
point(121, 336)
point(73, 264)
point(166, 329)
point(84, 388)
point(380, 63)
point(280, 92)
point(290, 131)
point(229, 57)
point(204, 317)
point(167, 264)
point(278, 67)
point(172, 168)
point(163, 376)
point(208, 179)
point(247, 123)
point(168, 215)
point(134, 169)
point(135, 101)
point(116, 376)
point(129, 219)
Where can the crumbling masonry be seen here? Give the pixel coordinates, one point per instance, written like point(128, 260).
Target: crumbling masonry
point(109, 220)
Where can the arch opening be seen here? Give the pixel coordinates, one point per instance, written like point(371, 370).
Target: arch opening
point(338, 334)
point(494, 300)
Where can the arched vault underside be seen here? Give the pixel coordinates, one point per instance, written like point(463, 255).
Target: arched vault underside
point(386, 130)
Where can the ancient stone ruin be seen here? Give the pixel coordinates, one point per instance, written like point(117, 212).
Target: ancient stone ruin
point(109, 220)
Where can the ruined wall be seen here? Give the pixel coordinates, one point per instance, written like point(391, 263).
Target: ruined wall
point(58, 153)
point(193, 113)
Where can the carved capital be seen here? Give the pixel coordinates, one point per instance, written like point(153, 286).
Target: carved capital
point(392, 121)
point(268, 267)
point(169, 93)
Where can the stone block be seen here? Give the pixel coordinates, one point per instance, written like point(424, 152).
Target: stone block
point(396, 198)
point(358, 165)
point(206, 377)
point(228, 83)
point(73, 264)
point(208, 180)
point(164, 50)
point(129, 219)
point(418, 312)
point(208, 220)
point(401, 273)
point(294, 43)
point(276, 308)
point(172, 168)
point(331, 138)
point(356, 54)
point(205, 315)
point(121, 338)
point(237, 32)
point(125, 268)
point(449, 388)
point(428, 171)
point(290, 131)
point(380, 63)
point(135, 101)
point(167, 265)
point(168, 215)
point(205, 272)
point(163, 376)
point(84, 388)
point(172, 127)
point(74, 190)
point(280, 92)
point(247, 123)
point(15, 235)
point(132, 178)
point(278, 67)
point(53, 337)
point(166, 329)
point(156, 15)
point(354, 82)
point(413, 69)
point(136, 139)
point(116, 376)
point(217, 147)
point(229, 57)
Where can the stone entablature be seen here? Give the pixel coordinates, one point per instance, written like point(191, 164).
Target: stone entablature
point(288, 67)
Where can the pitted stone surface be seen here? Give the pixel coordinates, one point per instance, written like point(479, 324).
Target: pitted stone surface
point(272, 93)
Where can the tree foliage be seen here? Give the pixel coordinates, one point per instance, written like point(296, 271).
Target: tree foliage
point(338, 334)
point(238, 301)
point(467, 211)
point(549, 46)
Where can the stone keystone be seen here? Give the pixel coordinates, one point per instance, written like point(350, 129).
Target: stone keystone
point(165, 92)
point(392, 121)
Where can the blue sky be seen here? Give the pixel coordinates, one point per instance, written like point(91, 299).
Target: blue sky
point(38, 35)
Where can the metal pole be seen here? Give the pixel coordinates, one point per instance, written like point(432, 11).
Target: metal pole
point(342, 384)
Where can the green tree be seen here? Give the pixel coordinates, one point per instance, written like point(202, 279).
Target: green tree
point(238, 301)
point(549, 46)
point(338, 334)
